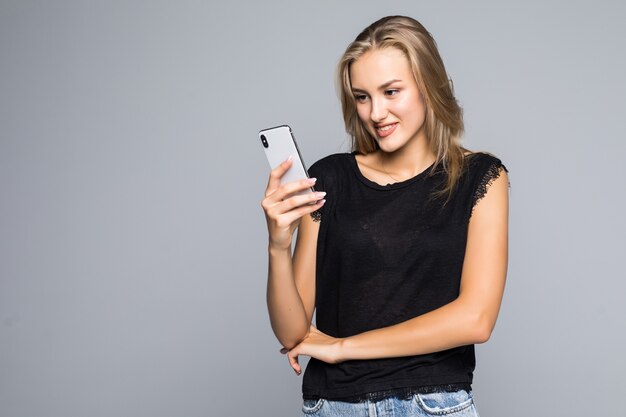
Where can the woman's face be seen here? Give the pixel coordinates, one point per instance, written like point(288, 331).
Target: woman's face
point(387, 98)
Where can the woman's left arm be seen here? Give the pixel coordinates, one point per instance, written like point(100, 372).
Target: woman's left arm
point(469, 319)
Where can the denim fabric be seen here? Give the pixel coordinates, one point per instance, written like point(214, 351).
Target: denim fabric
point(451, 404)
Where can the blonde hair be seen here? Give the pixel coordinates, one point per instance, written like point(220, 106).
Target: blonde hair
point(444, 117)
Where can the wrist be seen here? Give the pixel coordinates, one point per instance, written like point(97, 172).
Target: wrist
point(343, 350)
point(277, 250)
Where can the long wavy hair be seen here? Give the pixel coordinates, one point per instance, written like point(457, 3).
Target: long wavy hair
point(444, 117)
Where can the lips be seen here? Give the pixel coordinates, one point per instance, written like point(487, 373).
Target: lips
point(385, 130)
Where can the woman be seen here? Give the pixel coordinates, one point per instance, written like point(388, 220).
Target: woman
point(401, 252)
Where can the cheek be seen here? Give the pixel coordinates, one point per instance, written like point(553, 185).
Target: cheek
point(412, 112)
point(363, 112)
point(413, 106)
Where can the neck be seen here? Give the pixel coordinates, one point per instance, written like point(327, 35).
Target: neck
point(408, 161)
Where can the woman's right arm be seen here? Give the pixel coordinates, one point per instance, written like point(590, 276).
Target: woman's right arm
point(291, 279)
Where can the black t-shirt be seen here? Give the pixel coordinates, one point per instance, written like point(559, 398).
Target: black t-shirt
point(386, 254)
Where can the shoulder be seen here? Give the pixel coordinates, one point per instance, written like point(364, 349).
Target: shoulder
point(477, 160)
point(483, 166)
point(482, 169)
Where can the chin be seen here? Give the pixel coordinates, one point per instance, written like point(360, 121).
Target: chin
point(387, 145)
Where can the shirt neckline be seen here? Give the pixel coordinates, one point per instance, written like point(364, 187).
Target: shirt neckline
point(393, 186)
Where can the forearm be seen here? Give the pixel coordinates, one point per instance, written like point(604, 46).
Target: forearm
point(471, 317)
point(286, 310)
point(455, 324)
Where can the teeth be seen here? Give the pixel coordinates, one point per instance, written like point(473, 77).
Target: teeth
point(385, 128)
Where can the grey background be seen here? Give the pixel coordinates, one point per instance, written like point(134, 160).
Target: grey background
point(133, 246)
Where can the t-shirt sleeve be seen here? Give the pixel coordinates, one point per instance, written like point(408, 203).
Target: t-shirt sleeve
point(490, 169)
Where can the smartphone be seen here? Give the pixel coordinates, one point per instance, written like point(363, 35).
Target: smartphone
point(279, 144)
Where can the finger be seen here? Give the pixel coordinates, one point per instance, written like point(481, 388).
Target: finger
point(293, 361)
point(274, 209)
point(276, 174)
point(288, 189)
point(295, 214)
point(299, 200)
point(290, 195)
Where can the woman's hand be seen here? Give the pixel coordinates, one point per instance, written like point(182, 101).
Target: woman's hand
point(283, 209)
point(316, 345)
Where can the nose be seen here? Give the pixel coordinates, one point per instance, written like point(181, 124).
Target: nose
point(379, 110)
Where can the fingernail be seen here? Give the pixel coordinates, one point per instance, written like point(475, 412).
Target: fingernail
point(290, 158)
point(320, 194)
point(312, 180)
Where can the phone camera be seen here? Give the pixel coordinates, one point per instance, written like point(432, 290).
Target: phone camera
point(264, 141)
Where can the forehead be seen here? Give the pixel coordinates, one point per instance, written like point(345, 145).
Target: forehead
point(378, 66)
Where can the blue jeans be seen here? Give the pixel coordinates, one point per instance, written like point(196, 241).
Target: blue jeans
point(451, 404)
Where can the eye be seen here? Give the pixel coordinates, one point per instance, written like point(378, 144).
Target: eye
point(392, 92)
point(361, 98)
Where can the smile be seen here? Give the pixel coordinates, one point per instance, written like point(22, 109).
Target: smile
point(382, 131)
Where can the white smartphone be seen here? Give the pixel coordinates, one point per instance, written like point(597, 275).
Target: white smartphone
point(279, 144)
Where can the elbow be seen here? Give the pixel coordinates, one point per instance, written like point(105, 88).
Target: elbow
point(478, 320)
point(289, 340)
point(482, 334)
point(482, 328)
point(288, 343)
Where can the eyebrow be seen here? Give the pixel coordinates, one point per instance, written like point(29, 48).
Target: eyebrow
point(381, 87)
